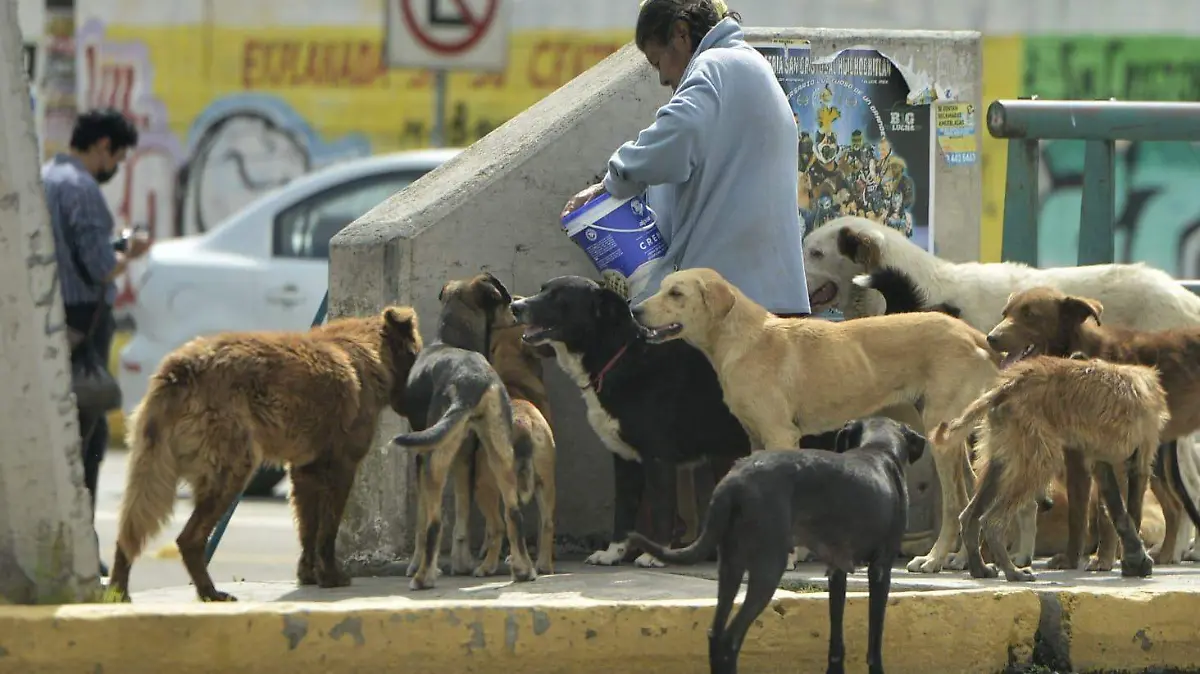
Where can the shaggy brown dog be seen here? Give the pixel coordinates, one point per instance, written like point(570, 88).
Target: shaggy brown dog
point(1047, 321)
point(520, 368)
point(1107, 413)
point(219, 406)
point(788, 377)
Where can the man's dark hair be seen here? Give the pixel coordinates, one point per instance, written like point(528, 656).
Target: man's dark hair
point(658, 16)
point(108, 123)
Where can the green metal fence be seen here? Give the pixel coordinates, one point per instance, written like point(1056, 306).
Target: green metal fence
point(1023, 122)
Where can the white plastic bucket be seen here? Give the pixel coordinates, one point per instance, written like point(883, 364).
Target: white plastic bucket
point(621, 237)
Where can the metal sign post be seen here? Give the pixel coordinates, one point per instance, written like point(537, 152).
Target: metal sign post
point(443, 36)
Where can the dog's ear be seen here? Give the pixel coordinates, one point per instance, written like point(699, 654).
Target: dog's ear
point(442, 292)
point(495, 290)
point(915, 441)
point(1078, 309)
point(861, 247)
point(718, 296)
point(401, 330)
point(849, 437)
point(610, 306)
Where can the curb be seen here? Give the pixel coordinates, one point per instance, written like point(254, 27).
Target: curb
point(960, 632)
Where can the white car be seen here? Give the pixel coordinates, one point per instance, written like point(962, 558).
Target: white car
point(266, 267)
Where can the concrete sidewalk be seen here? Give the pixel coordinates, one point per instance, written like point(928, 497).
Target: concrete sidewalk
point(622, 618)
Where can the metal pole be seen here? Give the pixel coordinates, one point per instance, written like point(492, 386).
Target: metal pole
point(215, 539)
point(439, 108)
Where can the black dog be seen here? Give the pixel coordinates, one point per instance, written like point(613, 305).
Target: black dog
point(454, 398)
point(851, 507)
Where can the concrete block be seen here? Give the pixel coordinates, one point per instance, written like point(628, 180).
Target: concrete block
point(496, 206)
point(47, 546)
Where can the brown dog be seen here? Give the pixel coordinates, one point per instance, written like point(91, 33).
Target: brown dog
point(457, 406)
point(788, 377)
point(219, 406)
point(1047, 321)
point(520, 368)
point(1106, 413)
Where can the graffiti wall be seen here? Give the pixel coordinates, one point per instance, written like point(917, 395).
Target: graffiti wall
point(1158, 206)
point(227, 113)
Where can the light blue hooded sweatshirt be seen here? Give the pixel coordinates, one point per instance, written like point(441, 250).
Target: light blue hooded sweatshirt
point(720, 160)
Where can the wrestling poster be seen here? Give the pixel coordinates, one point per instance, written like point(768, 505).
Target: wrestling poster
point(863, 150)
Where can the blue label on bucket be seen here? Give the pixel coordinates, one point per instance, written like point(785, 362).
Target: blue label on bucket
point(619, 236)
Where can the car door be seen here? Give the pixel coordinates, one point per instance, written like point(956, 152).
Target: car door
point(297, 274)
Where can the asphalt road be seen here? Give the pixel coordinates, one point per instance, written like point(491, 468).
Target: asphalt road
point(259, 545)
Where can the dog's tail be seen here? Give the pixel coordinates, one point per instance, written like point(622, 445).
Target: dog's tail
point(435, 433)
point(717, 522)
point(900, 292)
point(152, 473)
point(958, 429)
point(523, 461)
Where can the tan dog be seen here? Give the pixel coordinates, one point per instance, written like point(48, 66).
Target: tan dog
point(219, 406)
point(787, 377)
point(1106, 413)
point(520, 368)
point(1044, 320)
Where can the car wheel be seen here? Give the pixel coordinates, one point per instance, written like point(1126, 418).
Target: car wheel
point(263, 484)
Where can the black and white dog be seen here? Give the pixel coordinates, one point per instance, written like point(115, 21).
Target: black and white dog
point(850, 507)
point(654, 406)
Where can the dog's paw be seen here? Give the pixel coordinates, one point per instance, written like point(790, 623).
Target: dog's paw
point(422, 582)
point(485, 569)
point(1022, 561)
point(1097, 564)
point(545, 567)
point(957, 561)
point(609, 557)
point(524, 575)
point(648, 561)
point(1059, 562)
point(305, 574)
point(217, 596)
point(1192, 555)
point(1021, 575)
point(924, 564)
point(1137, 566)
point(335, 577)
point(412, 567)
point(792, 561)
point(1169, 557)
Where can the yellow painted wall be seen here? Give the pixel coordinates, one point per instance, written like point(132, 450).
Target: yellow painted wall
point(1002, 68)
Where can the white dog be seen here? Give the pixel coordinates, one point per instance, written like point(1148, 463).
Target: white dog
point(840, 256)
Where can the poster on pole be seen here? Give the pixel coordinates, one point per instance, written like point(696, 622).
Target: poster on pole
point(863, 149)
point(448, 34)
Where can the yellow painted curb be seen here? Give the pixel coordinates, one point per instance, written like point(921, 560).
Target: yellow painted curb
point(1133, 630)
point(961, 632)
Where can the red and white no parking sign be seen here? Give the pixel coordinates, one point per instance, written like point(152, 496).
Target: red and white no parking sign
point(448, 34)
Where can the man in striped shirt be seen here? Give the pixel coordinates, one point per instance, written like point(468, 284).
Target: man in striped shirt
point(89, 260)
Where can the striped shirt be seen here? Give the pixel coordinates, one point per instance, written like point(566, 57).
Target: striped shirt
point(82, 224)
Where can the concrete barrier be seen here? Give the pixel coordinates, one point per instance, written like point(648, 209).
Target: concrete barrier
point(965, 632)
point(496, 206)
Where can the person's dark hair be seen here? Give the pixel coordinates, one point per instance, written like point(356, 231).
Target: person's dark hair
point(658, 16)
point(108, 123)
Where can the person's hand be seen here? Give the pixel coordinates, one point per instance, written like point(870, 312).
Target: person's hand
point(138, 244)
point(582, 198)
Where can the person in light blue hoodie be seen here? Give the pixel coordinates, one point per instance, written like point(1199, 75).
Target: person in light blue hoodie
point(719, 161)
